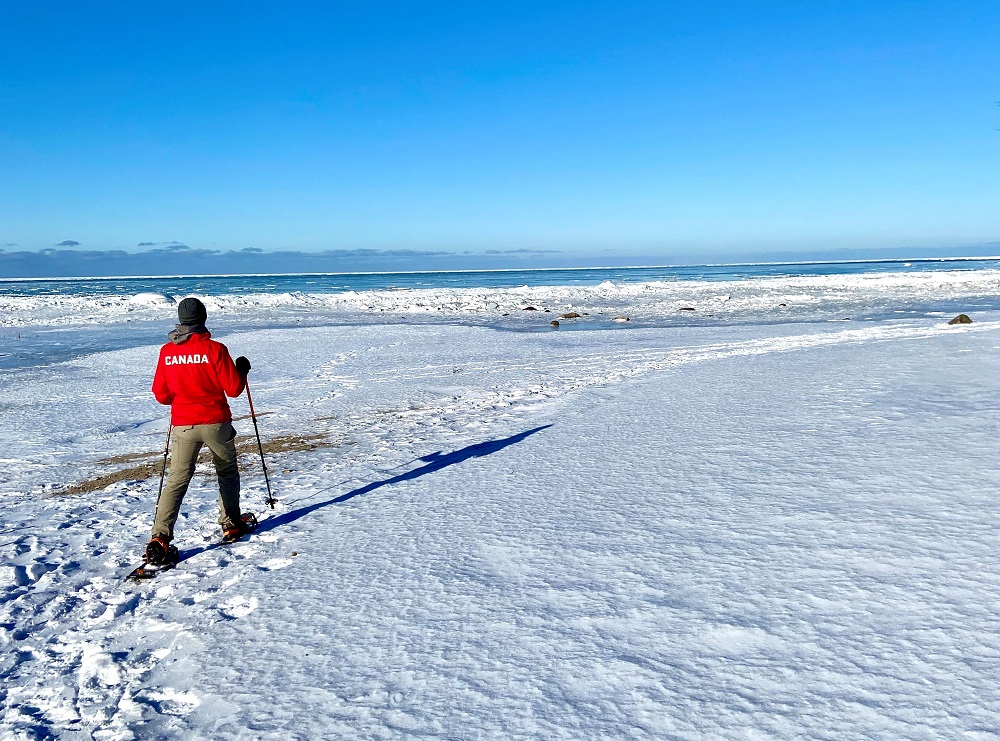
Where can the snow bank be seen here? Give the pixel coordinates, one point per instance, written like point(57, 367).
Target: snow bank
point(152, 299)
point(805, 298)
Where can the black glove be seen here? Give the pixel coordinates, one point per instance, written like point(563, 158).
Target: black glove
point(242, 366)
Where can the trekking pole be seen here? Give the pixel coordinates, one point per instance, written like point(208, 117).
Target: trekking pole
point(163, 468)
point(260, 447)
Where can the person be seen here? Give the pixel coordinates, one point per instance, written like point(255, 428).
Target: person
point(194, 374)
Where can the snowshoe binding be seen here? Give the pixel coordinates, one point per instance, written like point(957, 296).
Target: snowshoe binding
point(160, 553)
point(159, 556)
point(248, 523)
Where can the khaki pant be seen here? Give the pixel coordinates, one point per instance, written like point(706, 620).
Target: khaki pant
point(187, 442)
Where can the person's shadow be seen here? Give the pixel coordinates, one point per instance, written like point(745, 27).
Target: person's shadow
point(433, 462)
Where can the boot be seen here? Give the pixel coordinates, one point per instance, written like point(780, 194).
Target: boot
point(160, 553)
point(247, 524)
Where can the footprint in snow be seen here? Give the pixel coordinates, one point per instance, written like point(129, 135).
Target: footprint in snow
point(238, 607)
point(275, 564)
point(97, 675)
point(23, 576)
point(25, 545)
point(112, 608)
point(169, 701)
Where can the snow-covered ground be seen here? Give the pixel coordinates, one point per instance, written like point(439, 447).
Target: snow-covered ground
point(783, 530)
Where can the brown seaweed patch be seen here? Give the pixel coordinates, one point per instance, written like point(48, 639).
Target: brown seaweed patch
point(247, 416)
point(135, 473)
point(245, 446)
point(283, 443)
point(115, 460)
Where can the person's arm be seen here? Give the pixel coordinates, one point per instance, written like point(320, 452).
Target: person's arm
point(232, 382)
point(160, 388)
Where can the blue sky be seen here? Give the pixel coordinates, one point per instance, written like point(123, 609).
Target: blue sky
point(604, 131)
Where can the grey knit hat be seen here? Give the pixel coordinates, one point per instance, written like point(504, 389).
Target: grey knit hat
point(191, 312)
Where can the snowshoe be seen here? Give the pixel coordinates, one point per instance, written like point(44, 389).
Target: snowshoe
point(248, 523)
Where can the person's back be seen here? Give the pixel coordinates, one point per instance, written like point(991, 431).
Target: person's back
point(194, 374)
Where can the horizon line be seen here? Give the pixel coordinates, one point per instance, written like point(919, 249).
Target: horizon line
point(505, 270)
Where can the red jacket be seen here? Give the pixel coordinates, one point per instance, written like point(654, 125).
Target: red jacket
point(194, 378)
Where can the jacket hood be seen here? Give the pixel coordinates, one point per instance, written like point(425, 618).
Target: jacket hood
point(181, 333)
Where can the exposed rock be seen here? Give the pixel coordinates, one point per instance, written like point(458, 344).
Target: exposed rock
point(554, 323)
point(783, 305)
point(529, 308)
point(686, 308)
point(621, 319)
point(961, 319)
point(569, 315)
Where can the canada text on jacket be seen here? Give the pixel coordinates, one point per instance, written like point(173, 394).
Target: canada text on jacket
point(184, 359)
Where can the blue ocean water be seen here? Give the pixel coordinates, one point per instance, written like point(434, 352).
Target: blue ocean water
point(340, 282)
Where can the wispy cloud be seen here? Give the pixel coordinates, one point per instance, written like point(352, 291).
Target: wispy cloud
point(522, 251)
point(177, 258)
point(165, 245)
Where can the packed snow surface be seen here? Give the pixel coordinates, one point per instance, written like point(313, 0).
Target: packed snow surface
point(783, 530)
